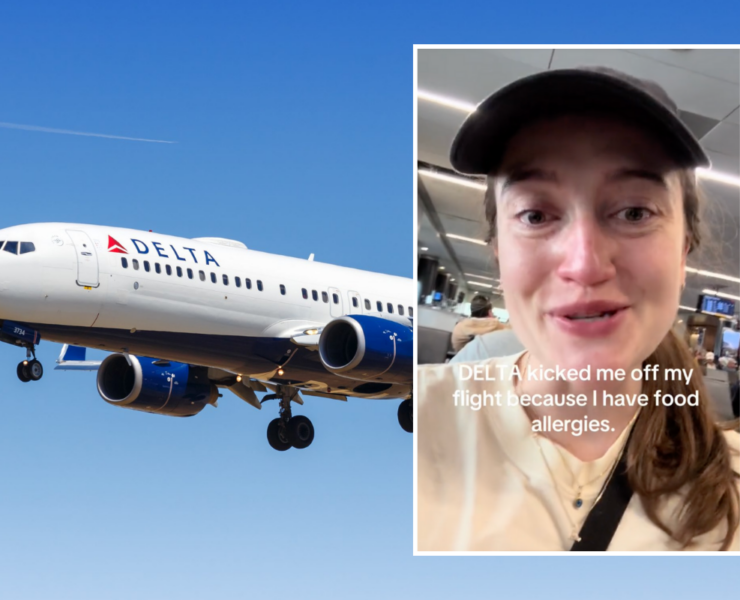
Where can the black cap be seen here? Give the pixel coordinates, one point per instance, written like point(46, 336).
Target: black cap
point(480, 144)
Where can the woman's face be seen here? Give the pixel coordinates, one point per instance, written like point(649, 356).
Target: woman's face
point(591, 241)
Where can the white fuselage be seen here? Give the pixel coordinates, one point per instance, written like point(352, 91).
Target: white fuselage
point(86, 281)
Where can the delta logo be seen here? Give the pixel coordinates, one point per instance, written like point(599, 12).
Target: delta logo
point(115, 246)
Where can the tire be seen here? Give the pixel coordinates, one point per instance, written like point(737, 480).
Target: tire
point(35, 370)
point(275, 438)
point(22, 373)
point(300, 432)
point(406, 415)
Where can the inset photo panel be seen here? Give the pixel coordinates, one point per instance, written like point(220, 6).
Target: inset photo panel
point(578, 292)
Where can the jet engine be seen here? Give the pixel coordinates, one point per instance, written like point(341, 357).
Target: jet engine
point(368, 349)
point(155, 386)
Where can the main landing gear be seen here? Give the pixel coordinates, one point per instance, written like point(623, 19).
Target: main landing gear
point(406, 415)
point(288, 431)
point(30, 369)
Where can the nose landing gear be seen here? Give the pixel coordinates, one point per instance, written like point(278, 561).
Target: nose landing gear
point(288, 431)
point(30, 369)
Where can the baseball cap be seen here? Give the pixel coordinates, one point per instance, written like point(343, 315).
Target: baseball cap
point(481, 141)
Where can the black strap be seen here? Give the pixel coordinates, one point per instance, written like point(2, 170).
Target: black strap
point(602, 522)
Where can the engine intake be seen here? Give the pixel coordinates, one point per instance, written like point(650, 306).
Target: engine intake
point(368, 349)
point(155, 386)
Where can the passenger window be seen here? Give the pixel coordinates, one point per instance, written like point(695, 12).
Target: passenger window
point(248, 283)
point(168, 268)
point(390, 308)
point(157, 268)
point(135, 263)
point(27, 247)
point(202, 275)
point(335, 298)
point(124, 262)
point(179, 271)
point(259, 285)
point(367, 304)
point(314, 295)
point(282, 289)
point(213, 277)
point(354, 301)
point(411, 312)
point(379, 304)
point(146, 266)
point(190, 273)
point(238, 281)
point(11, 247)
point(304, 292)
point(400, 310)
point(226, 279)
point(325, 297)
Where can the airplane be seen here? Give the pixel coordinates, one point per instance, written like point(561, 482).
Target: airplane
point(184, 318)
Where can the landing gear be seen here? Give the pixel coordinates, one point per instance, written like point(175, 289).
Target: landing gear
point(406, 415)
point(288, 431)
point(30, 369)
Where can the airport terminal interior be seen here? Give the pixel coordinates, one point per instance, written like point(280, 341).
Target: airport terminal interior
point(456, 264)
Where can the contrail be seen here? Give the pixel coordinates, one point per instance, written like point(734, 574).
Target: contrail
point(100, 135)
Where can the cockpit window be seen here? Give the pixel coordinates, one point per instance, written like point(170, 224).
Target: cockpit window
point(27, 247)
point(11, 247)
point(1, 244)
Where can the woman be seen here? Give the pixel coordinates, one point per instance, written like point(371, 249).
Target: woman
point(592, 205)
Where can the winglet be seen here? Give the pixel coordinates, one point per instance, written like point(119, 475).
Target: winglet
point(72, 358)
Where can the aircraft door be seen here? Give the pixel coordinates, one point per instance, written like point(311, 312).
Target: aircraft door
point(87, 259)
point(335, 302)
point(355, 303)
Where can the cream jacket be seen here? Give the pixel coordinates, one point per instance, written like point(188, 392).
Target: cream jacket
point(483, 484)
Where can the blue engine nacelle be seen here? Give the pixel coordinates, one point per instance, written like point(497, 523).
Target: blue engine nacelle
point(155, 386)
point(368, 349)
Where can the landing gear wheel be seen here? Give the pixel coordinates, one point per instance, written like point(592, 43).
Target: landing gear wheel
point(22, 372)
point(300, 432)
point(277, 436)
point(406, 415)
point(35, 370)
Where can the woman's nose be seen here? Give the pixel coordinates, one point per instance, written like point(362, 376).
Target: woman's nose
point(586, 253)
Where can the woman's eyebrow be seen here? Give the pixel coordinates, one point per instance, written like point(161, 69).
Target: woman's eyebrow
point(644, 174)
point(524, 174)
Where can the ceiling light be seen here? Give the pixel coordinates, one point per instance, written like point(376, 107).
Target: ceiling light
point(466, 239)
point(713, 274)
point(717, 176)
point(720, 294)
point(441, 268)
point(423, 249)
point(454, 179)
point(481, 277)
point(461, 105)
point(485, 285)
point(691, 308)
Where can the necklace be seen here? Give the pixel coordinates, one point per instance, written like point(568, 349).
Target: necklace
point(574, 529)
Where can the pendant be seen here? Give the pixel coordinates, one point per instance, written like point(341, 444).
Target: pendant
point(574, 536)
point(578, 503)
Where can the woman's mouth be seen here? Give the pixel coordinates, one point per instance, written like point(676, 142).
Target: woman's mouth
point(591, 319)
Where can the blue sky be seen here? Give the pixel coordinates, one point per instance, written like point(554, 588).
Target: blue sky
point(294, 134)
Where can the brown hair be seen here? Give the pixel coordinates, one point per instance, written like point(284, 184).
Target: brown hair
point(677, 449)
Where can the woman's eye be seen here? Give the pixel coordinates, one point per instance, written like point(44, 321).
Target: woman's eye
point(635, 214)
point(532, 217)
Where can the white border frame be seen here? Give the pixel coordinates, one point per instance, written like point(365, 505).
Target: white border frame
point(418, 47)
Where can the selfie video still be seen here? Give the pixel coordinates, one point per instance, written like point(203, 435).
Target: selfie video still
point(578, 290)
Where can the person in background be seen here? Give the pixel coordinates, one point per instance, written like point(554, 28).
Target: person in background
point(481, 321)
